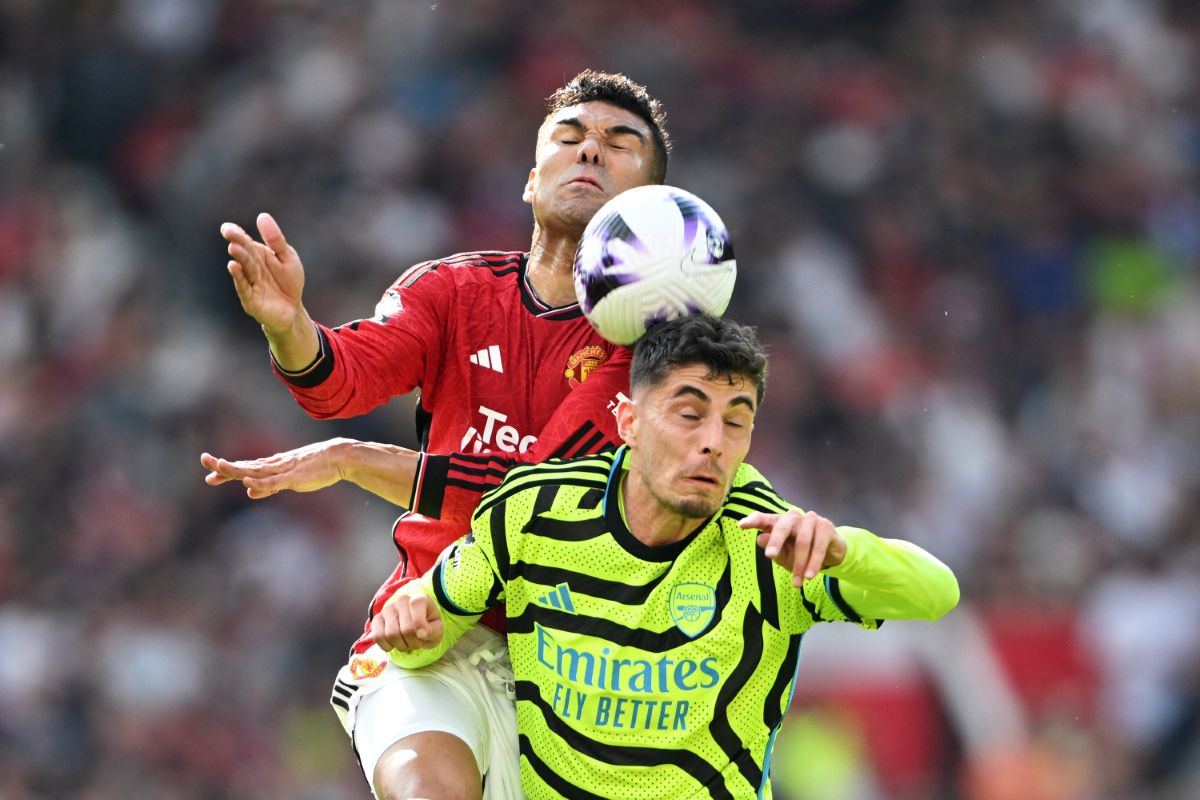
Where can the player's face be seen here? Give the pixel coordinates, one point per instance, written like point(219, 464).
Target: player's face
point(688, 435)
point(586, 154)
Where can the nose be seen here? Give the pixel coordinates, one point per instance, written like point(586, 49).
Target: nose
point(712, 436)
point(590, 151)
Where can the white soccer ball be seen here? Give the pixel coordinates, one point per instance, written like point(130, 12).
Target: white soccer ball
point(652, 254)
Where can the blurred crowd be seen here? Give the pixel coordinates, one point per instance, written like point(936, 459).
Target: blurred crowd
point(969, 232)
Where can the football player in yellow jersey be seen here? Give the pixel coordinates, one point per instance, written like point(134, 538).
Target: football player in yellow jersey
point(654, 638)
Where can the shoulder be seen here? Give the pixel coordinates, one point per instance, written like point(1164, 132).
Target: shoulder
point(462, 267)
point(585, 473)
point(751, 491)
point(580, 469)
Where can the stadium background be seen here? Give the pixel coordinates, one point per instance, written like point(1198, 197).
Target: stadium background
point(970, 232)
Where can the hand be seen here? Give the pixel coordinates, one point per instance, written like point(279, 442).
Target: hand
point(408, 622)
point(304, 469)
point(267, 275)
point(803, 543)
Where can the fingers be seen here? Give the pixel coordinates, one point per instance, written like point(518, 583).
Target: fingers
point(213, 464)
point(246, 262)
point(773, 537)
point(796, 541)
point(258, 488)
point(384, 628)
point(236, 470)
point(240, 284)
point(781, 535)
point(249, 255)
point(822, 535)
point(812, 536)
point(759, 520)
point(407, 622)
point(261, 477)
point(272, 234)
point(234, 233)
point(422, 615)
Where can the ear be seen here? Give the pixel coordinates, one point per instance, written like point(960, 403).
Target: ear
point(530, 186)
point(626, 416)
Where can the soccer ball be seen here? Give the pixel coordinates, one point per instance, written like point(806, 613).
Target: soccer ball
point(652, 254)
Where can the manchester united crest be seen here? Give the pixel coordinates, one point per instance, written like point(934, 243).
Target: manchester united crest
point(582, 362)
point(362, 668)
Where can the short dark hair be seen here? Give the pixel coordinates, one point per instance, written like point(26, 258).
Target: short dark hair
point(725, 347)
point(613, 87)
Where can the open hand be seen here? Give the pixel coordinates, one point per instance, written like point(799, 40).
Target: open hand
point(305, 469)
point(267, 275)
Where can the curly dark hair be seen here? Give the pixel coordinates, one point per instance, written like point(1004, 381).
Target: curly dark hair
point(615, 88)
point(728, 349)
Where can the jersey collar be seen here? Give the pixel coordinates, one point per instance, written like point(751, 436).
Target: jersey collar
point(614, 517)
point(535, 305)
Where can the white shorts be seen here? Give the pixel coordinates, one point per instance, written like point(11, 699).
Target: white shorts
point(467, 693)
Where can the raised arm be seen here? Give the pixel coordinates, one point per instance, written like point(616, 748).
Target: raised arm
point(269, 279)
point(347, 370)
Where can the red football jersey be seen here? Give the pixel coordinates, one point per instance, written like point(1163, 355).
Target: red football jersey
point(492, 362)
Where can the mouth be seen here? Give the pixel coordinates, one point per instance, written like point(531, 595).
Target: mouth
point(705, 480)
point(585, 180)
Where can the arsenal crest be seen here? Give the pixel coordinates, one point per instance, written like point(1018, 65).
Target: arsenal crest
point(692, 607)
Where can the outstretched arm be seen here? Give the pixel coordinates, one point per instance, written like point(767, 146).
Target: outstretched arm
point(878, 578)
point(382, 469)
point(582, 424)
point(893, 579)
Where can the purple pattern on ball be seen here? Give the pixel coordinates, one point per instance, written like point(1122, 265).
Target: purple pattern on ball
point(597, 278)
point(693, 214)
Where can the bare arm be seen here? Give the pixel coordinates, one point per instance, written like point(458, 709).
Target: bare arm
point(583, 423)
point(383, 469)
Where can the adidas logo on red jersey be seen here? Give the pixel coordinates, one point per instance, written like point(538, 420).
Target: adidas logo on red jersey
point(489, 358)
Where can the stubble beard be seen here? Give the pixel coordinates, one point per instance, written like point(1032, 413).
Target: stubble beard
point(695, 508)
point(686, 507)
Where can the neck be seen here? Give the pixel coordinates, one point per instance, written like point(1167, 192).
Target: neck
point(652, 523)
point(551, 260)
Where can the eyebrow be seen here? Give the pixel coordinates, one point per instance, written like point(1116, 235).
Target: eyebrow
point(688, 389)
point(574, 122)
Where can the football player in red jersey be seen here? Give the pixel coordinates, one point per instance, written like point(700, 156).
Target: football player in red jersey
point(495, 342)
